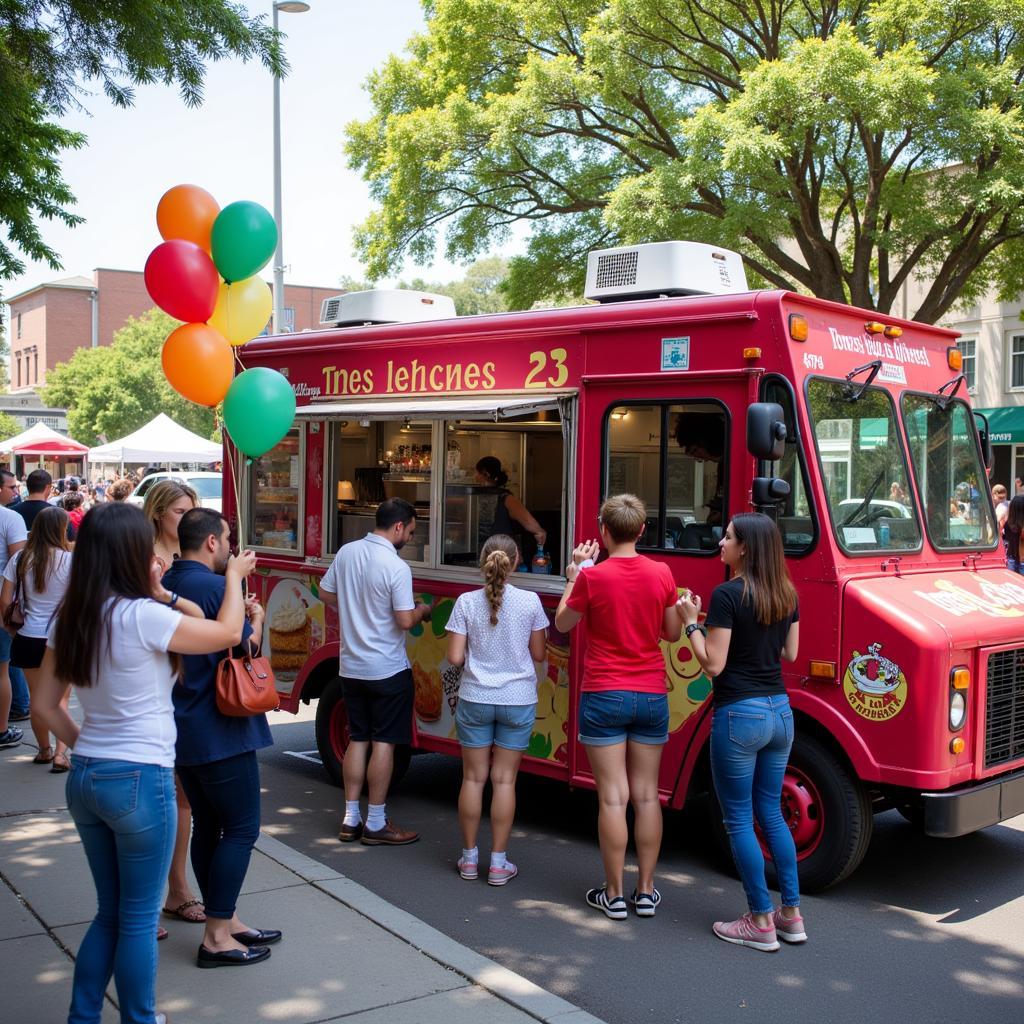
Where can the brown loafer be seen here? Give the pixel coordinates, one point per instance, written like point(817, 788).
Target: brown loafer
point(350, 833)
point(389, 835)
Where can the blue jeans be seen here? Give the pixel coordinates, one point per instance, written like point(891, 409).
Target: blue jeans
point(19, 684)
point(225, 799)
point(126, 816)
point(1014, 566)
point(750, 744)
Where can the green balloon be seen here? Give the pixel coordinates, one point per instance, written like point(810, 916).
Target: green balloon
point(258, 410)
point(243, 239)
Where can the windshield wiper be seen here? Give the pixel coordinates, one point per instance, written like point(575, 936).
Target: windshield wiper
point(874, 367)
point(941, 399)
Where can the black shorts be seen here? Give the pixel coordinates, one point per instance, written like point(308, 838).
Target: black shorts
point(379, 709)
point(27, 651)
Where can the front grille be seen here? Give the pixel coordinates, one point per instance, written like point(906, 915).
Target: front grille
point(617, 269)
point(1004, 708)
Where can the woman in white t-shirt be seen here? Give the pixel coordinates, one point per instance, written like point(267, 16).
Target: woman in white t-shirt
point(113, 640)
point(37, 577)
point(497, 634)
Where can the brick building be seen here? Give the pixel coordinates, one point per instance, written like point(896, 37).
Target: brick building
point(49, 322)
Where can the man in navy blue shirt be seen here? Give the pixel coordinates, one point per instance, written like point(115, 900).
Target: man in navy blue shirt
point(216, 754)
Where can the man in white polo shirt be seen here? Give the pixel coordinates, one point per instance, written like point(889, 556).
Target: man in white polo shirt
point(371, 588)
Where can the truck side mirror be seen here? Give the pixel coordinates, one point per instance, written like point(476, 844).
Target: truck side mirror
point(988, 456)
point(766, 430)
point(768, 490)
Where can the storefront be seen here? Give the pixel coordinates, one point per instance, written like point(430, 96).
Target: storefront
point(1006, 432)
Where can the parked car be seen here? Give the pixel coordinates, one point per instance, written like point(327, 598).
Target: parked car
point(206, 485)
point(879, 507)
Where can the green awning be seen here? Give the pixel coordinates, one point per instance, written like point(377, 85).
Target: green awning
point(1005, 425)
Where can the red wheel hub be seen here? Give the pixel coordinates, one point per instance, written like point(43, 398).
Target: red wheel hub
point(339, 730)
point(803, 812)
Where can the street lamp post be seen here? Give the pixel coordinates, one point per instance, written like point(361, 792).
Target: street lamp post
point(289, 7)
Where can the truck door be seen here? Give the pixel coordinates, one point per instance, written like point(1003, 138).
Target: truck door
point(679, 445)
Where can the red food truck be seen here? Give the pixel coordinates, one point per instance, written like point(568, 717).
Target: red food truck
point(706, 399)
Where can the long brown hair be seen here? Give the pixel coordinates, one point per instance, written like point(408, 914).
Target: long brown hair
point(49, 534)
point(766, 581)
point(113, 556)
point(161, 497)
point(497, 561)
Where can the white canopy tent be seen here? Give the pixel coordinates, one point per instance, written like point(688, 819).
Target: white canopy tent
point(159, 441)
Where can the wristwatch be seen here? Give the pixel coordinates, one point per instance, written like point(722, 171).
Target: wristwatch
point(692, 628)
point(174, 600)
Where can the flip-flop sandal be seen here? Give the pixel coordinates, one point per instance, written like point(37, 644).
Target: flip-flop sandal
point(60, 765)
point(161, 933)
point(42, 758)
point(199, 917)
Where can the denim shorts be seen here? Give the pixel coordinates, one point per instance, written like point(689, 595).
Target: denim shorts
point(5, 646)
point(500, 725)
point(614, 716)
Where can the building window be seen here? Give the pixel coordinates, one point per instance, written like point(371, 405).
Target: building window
point(19, 325)
point(968, 348)
point(1017, 361)
point(35, 366)
point(17, 362)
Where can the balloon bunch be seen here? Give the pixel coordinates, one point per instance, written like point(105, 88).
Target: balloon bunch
point(204, 273)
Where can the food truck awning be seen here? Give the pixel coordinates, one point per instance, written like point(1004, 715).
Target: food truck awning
point(496, 407)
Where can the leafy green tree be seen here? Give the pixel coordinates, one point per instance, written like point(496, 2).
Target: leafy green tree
point(845, 148)
point(50, 50)
point(117, 388)
point(8, 426)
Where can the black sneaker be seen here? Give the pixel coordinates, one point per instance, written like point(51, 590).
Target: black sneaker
point(19, 716)
point(613, 908)
point(10, 737)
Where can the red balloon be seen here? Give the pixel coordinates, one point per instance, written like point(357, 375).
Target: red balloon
point(182, 280)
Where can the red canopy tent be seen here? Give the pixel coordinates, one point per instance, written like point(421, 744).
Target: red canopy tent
point(45, 445)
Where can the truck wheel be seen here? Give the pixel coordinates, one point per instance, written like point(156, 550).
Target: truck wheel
point(332, 737)
point(827, 810)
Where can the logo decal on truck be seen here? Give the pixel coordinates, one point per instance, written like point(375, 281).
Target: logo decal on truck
point(996, 600)
point(874, 685)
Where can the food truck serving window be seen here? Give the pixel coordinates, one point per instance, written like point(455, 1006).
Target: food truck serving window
point(950, 478)
point(428, 452)
point(863, 468)
point(673, 456)
point(274, 495)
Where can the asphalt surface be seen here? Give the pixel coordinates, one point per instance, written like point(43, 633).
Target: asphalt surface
point(925, 931)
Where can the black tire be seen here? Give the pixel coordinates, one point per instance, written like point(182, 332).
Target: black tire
point(844, 805)
point(332, 737)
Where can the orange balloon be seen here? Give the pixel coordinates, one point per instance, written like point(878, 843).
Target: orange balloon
point(187, 212)
point(198, 363)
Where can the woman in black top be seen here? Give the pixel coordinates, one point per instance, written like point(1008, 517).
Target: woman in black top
point(1011, 533)
point(751, 625)
point(507, 510)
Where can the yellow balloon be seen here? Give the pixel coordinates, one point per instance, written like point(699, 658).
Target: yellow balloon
point(243, 309)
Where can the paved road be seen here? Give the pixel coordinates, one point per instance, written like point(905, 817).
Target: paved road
point(926, 931)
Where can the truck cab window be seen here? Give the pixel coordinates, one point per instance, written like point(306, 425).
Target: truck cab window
point(861, 456)
point(673, 457)
point(795, 517)
point(505, 477)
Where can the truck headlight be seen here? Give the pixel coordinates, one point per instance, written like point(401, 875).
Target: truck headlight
point(959, 683)
point(957, 710)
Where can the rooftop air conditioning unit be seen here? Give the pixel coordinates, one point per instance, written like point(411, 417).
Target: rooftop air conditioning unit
point(384, 306)
point(663, 268)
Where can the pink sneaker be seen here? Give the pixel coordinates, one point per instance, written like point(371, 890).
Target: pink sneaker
point(502, 876)
point(789, 929)
point(743, 932)
point(468, 869)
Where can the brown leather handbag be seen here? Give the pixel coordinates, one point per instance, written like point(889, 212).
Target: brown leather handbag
point(245, 687)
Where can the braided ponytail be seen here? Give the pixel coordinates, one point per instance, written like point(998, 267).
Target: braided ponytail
point(497, 561)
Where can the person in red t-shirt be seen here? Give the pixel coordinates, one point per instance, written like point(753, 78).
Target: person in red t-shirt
point(628, 604)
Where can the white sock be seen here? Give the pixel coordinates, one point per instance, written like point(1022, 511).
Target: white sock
point(471, 856)
point(499, 860)
point(352, 815)
point(375, 817)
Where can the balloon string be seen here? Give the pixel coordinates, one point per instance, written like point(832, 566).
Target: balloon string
point(232, 452)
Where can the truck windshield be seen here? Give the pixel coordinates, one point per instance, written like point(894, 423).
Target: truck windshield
point(863, 468)
point(949, 474)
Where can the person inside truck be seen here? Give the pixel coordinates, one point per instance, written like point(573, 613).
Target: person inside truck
point(507, 512)
point(752, 624)
point(702, 437)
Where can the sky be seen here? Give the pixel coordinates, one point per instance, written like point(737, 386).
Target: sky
point(133, 156)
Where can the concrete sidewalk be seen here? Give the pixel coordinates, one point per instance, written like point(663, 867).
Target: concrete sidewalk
point(347, 954)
